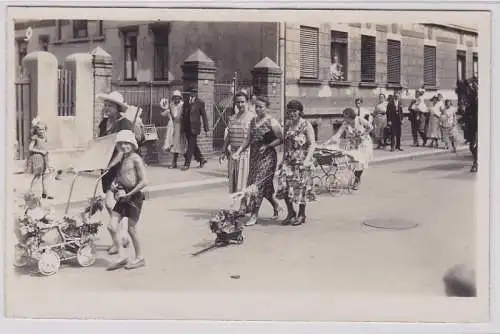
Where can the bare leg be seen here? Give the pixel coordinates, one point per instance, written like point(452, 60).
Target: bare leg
point(113, 231)
point(139, 259)
point(35, 178)
point(113, 228)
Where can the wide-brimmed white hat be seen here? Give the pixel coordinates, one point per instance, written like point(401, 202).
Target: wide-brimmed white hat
point(177, 93)
point(116, 98)
point(127, 136)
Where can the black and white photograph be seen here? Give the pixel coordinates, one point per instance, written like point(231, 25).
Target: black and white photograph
point(238, 166)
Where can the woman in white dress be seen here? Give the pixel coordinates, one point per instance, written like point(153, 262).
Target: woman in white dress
point(356, 131)
point(175, 140)
point(434, 116)
point(380, 121)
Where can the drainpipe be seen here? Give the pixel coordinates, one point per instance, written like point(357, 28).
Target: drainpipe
point(282, 65)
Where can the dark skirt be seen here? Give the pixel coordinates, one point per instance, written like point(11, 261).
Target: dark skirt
point(261, 173)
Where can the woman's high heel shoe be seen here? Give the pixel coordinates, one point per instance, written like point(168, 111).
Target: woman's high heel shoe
point(289, 219)
point(299, 221)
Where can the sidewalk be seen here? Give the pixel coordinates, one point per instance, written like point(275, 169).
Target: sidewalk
point(164, 181)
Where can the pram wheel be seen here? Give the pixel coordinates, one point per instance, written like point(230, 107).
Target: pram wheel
point(20, 256)
point(86, 255)
point(49, 263)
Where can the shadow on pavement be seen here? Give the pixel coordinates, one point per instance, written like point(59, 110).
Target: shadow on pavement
point(197, 214)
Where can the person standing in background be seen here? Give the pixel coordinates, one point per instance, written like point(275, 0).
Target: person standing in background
point(414, 117)
point(380, 120)
point(192, 115)
point(395, 121)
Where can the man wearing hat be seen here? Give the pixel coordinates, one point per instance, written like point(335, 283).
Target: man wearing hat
point(193, 114)
point(114, 110)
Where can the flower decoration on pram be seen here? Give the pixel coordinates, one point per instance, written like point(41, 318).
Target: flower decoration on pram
point(85, 227)
point(226, 223)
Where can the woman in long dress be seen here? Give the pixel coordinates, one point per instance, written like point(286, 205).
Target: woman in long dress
point(448, 124)
point(380, 121)
point(295, 174)
point(358, 142)
point(434, 116)
point(264, 135)
point(236, 132)
point(175, 140)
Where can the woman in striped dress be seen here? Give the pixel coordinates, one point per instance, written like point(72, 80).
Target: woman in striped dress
point(236, 132)
point(264, 135)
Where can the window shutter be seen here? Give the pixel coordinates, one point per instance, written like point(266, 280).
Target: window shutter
point(393, 62)
point(368, 58)
point(429, 65)
point(309, 53)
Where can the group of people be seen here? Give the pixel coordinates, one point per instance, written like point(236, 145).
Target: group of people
point(434, 122)
point(250, 146)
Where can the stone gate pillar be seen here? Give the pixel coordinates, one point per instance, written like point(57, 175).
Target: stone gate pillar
point(266, 81)
point(80, 65)
point(41, 68)
point(199, 71)
point(102, 64)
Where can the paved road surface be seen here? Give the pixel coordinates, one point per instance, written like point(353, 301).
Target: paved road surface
point(333, 252)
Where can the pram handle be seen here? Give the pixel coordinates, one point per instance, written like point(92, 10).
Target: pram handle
point(73, 186)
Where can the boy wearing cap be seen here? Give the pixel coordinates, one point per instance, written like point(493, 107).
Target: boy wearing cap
point(128, 185)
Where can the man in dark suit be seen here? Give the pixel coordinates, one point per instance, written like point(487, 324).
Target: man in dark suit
point(192, 116)
point(395, 121)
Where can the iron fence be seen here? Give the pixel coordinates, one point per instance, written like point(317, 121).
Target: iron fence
point(24, 114)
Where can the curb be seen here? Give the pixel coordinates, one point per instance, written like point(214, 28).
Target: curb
point(163, 190)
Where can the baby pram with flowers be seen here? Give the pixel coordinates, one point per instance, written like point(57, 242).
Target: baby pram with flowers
point(47, 242)
point(337, 167)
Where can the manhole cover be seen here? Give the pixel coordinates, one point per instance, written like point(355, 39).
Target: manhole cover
point(390, 223)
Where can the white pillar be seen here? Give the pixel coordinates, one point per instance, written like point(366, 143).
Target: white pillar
point(41, 67)
point(80, 65)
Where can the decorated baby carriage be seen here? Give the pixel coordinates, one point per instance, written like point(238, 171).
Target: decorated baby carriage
point(48, 241)
point(337, 167)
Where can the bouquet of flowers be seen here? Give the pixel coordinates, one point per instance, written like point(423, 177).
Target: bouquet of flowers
point(226, 221)
point(76, 229)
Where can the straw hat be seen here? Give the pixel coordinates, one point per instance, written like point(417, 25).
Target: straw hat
point(177, 93)
point(116, 98)
point(127, 136)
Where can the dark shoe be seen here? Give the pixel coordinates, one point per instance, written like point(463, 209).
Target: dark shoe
point(399, 149)
point(289, 219)
point(173, 166)
point(185, 168)
point(392, 149)
point(474, 168)
point(45, 196)
point(299, 221)
point(202, 163)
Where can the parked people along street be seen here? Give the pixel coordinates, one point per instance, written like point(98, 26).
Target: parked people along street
point(395, 121)
point(192, 115)
point(380, 121)
point(448, 122)
point(358, 142)
point(264, 135)
point(127, 188)
point(175, 138)
point(295, 172)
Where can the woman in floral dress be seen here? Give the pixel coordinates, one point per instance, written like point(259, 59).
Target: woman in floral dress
point(264, 135)
point(295, 174)
point(234, 137)
point(358, 142)
point(434, 132)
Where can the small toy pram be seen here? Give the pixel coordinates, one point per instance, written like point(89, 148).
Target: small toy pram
point(48, 243)
point(338, 170)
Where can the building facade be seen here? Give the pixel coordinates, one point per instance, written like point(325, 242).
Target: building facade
point(329, 65)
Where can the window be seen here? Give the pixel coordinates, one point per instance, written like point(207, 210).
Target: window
point(130, 51)
point(429, 65)
point(22, 50)
point(100, 28)
point(338, 70)
point(368, 58)
point(475, 65)
point(44, 42)
point(309, 52)
point(393, 62)
point(161, 55)
point(80, 29)
point(461, 65)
